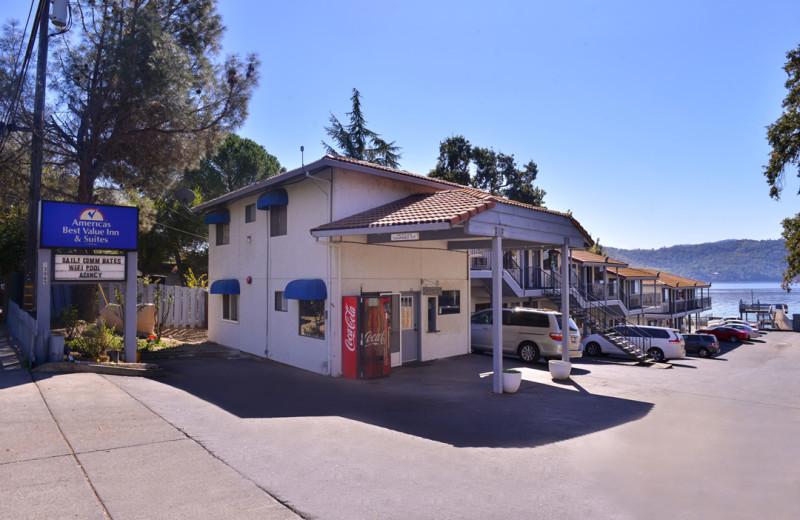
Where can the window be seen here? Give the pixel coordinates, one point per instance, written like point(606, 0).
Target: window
point(406, 312)
point(281, 303)
point(482, 318)
point(250, 213)
point(230, 307)
point(223, 233)
point(277, 221)
point(450, 302)
point(312, 318)
point(530, 319)
point(432, 315)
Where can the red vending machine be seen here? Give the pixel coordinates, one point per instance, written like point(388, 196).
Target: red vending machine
point(365, 336)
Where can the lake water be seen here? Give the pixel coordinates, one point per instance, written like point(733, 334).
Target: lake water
point(725, 297)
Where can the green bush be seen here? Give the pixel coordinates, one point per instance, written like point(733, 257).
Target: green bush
point(96, 340)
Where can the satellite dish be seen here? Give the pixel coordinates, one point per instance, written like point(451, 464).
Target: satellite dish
point(184, 195)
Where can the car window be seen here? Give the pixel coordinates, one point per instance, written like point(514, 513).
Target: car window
point(658, 333)
point(482, 318)
point(572, 324)
point(507, 317)
point(530, 319)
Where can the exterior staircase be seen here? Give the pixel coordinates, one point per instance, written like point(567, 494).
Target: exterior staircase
point(597, 318)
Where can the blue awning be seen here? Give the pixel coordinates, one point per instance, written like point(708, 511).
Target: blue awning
point(221, 216)
point(230, 286)
point(272, 198)
point(313, 289)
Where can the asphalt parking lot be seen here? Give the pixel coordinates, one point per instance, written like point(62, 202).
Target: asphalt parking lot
point(707, 438)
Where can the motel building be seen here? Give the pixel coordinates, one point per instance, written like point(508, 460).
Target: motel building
point(347, 268)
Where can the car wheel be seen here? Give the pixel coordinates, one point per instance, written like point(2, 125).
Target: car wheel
point(703, 352)
point(734, 339)
point(528, 352)
point(593, 349)
point(657, 354)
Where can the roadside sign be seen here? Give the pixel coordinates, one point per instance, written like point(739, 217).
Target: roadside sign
point(89, 226)
point(88, 268)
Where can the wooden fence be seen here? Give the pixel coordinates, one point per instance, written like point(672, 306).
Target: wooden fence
point(188, 308)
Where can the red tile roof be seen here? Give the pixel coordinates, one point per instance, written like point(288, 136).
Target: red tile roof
point(586, 257)
point(474, 192)
point(451, 206)
point(673, 280)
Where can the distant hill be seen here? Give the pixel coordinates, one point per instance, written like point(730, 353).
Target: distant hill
point(725, 261)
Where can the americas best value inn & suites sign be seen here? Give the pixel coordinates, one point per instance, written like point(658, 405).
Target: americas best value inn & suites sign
point(86, 226)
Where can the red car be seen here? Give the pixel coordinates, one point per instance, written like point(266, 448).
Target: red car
point(726, 334)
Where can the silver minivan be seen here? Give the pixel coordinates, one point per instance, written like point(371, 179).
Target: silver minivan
point(528, 333)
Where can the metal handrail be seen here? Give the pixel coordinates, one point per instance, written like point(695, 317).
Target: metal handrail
point(600, 318)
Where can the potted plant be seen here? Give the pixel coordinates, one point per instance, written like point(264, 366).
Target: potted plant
point(511, 381)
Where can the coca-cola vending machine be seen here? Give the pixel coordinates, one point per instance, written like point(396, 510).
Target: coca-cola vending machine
point(365, 336)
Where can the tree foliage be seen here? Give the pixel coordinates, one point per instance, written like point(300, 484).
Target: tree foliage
point(238, 162)
point(359, 142)
point(487, 170)
point(137, 93)
point(598, 248)
point(784, 137)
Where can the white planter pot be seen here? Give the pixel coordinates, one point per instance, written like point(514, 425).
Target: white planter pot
point(511, 382)
point(559, 369)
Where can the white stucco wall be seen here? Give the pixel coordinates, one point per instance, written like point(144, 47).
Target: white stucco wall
point(370, 268)
point(272, 262)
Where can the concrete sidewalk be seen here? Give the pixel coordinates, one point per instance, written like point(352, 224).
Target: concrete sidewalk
point(77, 446)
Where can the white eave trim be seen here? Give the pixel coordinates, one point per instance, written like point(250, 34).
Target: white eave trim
point(379, 230)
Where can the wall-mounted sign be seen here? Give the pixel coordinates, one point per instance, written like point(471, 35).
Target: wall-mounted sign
point(89, 226)
point(431, 291)
point(89, 268)
point(399, 237)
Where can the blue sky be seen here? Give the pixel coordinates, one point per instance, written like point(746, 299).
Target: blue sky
point(646, 119)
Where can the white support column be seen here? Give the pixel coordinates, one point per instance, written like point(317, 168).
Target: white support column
point(497, 311)
point(565, 301)
point(129, 319)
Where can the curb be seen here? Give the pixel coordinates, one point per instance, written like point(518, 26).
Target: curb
point(115, 369)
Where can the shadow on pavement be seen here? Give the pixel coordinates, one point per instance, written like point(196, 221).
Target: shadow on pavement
point(445, 400)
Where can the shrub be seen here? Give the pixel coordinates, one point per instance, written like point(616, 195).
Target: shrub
point(96, 340)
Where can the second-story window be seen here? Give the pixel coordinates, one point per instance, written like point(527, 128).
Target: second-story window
point(250, 213)
point(277, 221)
point(223, 233)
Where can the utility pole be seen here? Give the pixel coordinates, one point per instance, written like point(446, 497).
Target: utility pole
point(37, 146)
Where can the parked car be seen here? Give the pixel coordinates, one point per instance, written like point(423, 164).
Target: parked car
point(528, 333)
point(733, 319)
point(704, 345)
point(661, 343)
point(751, 334)
point(724, 333)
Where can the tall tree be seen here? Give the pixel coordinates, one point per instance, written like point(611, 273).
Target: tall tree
point(138, 93)
point(238, 162)
point(485, 169)
point(359, 142)
point(784, 137)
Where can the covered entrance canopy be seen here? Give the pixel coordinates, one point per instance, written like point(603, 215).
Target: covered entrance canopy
point(466, 218)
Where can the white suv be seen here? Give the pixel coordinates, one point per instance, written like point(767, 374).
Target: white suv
point(528, 333)
point(660, 343)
